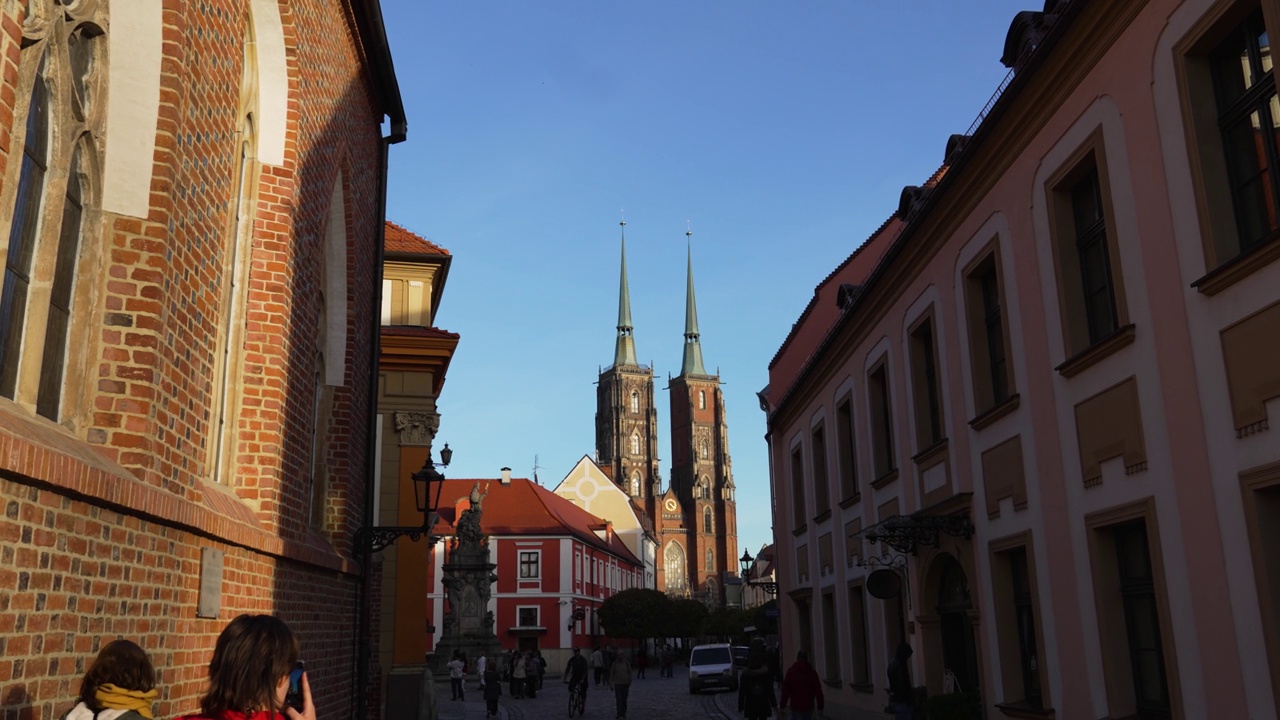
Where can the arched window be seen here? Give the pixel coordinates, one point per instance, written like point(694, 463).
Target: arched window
point(235, 272)
point(704, 489)
point(635, 485)
point(706, 520)
point(63, 51)
point(635, 401)
point(635, 443)
point(702, 399)
point(711, 560)
point(702, 449)
point(677, 582)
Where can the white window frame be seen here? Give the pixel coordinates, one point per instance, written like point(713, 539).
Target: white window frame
point(520, 562)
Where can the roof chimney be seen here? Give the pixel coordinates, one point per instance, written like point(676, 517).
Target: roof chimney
point(506, 476)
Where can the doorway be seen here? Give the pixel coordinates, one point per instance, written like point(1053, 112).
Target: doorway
point(955, 604)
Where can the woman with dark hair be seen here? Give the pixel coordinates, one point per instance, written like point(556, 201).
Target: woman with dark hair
point(249, 673)
point(120, 685)
point(756, 700)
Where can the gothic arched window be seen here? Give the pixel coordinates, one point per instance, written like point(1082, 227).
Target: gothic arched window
point(635, 401)
point(235, 270)
point(635, 443)
point(702, 399)
point(706, 520)
point(674, 566)
point(635, 485)
point(711, 560)
point(64, 46)
point(702, 449)
point(704, 489)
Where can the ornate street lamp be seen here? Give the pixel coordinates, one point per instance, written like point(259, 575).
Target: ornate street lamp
point(428, 483)
point(748, 569)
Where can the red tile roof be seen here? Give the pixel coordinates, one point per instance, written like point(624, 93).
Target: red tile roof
point(525, 508)
point(402, 241)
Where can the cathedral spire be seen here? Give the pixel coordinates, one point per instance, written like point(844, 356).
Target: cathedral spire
point(625, 351)
point(692, 345)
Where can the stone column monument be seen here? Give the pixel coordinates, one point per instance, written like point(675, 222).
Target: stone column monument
point(468, 579)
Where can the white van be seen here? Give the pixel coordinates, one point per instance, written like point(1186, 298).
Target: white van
point(712, 665)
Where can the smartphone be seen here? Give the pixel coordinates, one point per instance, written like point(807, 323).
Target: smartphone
point(294, 697)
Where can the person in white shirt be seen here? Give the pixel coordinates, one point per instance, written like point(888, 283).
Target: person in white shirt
point(456, 666)
point(481, 663)
point(597, 665)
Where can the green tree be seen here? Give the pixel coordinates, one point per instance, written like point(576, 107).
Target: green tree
point(685, 618)
point(638, 613)
point(726, 623)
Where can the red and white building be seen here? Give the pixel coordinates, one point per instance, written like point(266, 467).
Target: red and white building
point(553, 558)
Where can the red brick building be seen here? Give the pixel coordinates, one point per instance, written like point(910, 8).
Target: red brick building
point(194, 198)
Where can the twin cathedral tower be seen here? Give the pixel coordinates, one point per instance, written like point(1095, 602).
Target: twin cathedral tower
point(694, 521)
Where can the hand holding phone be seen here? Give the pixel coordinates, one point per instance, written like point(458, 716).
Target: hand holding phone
point(294, 698)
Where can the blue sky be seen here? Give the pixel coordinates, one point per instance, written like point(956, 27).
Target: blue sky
point(783, 131)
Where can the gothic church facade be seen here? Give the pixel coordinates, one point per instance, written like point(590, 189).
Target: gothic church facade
point(693, 519)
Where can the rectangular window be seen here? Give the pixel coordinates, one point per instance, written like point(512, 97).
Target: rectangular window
point(1024, 615)
point(527, 617)
point(821, 493)
point(1141, 620)
point(881, 421)
point(924, 377)
point(830, 638)
point(858, 637)
point(529, 564)
point(806, 626)
point(845, 448)
point(797, 488)
point(1016, 630)
point(1094, 257)
point(991, 379)
point(1249, 119)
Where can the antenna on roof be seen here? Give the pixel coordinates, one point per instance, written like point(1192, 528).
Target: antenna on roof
point(536, 467)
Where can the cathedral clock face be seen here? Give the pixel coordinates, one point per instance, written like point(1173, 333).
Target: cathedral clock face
point(671, 505)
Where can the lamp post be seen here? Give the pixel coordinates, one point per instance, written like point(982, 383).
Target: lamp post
point(428, 483)
point(748, 569)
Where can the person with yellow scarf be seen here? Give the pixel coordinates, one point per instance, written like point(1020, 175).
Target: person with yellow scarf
point(120, 685)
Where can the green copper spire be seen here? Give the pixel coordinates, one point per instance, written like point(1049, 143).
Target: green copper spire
point(625, 351)
point(692, 346)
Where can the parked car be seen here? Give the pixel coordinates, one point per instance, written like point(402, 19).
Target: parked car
point(712, 666)
point(740, 653)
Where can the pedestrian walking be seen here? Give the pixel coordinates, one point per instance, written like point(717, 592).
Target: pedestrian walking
point(456, 667)
point(667, 661)
point(531, 675)
point(620, 679)
point(492, 685)
point(120, 685)
point(902, 697)
point(802, 688)
point(482, 664)
point(517, 676)
point(756, 700)
point(597, 665)
point(642, 662)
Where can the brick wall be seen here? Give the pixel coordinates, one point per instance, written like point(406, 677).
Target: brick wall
point(104, 516)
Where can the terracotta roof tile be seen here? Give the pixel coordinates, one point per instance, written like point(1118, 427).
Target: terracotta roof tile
point(402, 241)
point(525, 508)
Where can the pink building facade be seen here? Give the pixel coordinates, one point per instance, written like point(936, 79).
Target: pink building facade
point(1041, 393)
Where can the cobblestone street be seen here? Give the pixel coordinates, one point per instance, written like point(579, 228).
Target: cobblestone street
point(652, 698)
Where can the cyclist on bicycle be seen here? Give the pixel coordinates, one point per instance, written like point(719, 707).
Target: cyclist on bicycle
point(575, 675)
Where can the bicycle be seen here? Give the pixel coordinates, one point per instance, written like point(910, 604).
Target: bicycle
point(578, 698)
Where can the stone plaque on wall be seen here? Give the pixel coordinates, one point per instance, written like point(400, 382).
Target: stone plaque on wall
point(210, 601)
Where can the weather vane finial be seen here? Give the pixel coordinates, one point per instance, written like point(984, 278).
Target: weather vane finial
point(623, 215)
point(688, 230)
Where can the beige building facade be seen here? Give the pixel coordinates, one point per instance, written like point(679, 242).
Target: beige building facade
point(1040, 394)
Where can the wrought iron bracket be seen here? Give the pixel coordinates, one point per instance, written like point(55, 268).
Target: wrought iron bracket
point(373, 539)
point(906, 533)
point(770, 588)
point(886, 560)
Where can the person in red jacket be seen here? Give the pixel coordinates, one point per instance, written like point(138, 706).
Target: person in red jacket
point(802, 688)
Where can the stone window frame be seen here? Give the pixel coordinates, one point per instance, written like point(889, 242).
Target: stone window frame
point(819, 466)
point(799, 513)
point(831, 665)
point(983, 374)
point(880, 407)
point(860, 656)
point(51, 375)
point(235, 271)
point(1082, 346)
point(1008, 634)
point(708, 521)
point(1226, 263)
point(846, 449)
point(928, 411)
point(1117, 670)
point(702, 399)
point(1254, 483)
point(635, 401)
point(537, 616)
